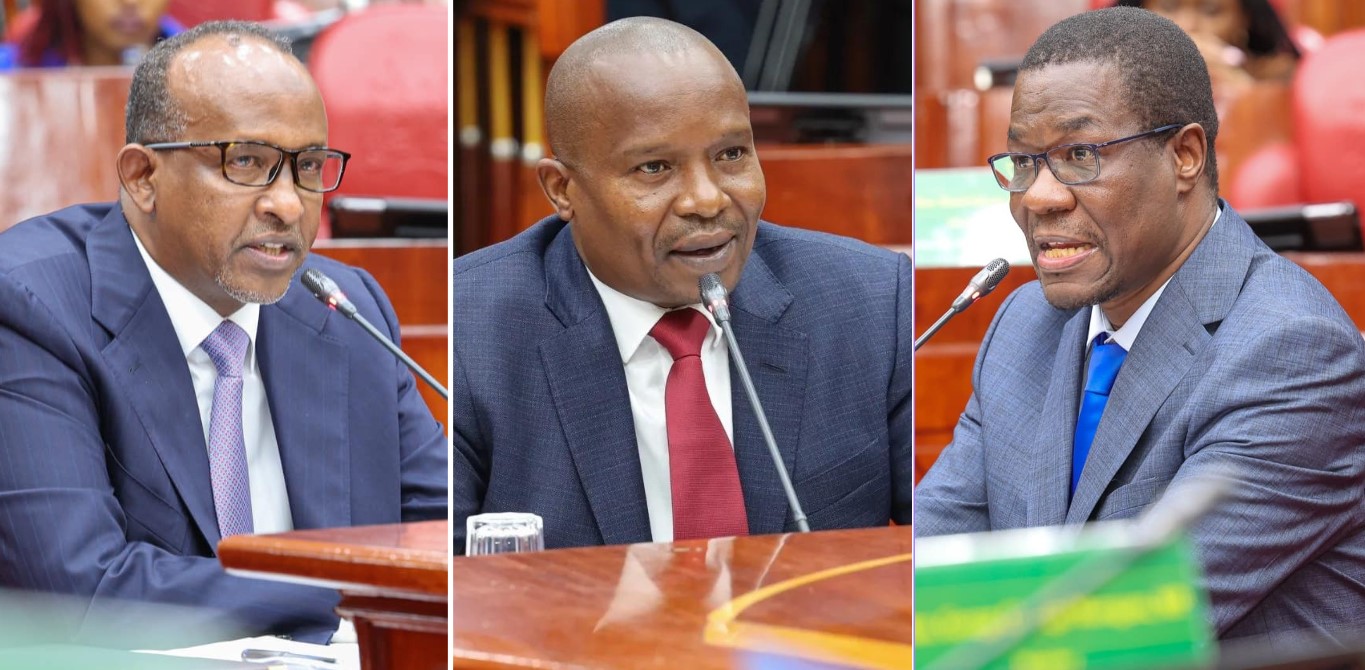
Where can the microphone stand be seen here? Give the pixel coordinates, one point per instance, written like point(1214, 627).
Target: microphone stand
point(798, 515)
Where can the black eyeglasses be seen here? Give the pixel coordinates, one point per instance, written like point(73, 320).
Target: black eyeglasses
point(252, 163)
point(1071, 164)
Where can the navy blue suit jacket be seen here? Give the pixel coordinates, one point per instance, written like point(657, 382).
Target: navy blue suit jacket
point(104, 475)
point(541, 413)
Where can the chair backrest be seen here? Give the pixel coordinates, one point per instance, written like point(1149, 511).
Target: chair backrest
point(1329, 129)
point(384, 73)
point(191, 13)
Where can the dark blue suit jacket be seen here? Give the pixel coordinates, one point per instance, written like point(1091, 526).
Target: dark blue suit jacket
point(541, 414)
point(104, 475)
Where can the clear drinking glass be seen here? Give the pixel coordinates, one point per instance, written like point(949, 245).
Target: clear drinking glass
point(503, 533)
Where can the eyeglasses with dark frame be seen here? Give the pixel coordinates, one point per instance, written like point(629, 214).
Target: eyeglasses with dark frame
point(254, 163)
point(1071, 164)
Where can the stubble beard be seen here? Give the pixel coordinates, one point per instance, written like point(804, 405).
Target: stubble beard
point(1099, 295)
point(225, 281)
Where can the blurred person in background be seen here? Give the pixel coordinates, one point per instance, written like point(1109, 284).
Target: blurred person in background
point(59, 33)
point(1242, 41)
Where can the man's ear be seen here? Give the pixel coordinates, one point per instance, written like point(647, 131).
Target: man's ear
point(554, 181)
point(136, 166)
point(1191, 154)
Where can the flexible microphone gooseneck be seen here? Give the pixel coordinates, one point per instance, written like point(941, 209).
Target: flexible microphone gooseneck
point(713, 296)
point(323, 288)
point(983, 283)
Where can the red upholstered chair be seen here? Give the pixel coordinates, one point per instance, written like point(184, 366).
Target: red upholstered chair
point(1329, 128)
point(194, 12)
point(384, 75)
point(1268, 178)
point(1326, 162)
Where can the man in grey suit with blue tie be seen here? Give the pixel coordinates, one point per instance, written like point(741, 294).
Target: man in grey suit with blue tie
point(1162, 342)
point(591, 388)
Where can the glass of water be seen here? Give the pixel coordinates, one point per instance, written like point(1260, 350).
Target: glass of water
point(503, 533)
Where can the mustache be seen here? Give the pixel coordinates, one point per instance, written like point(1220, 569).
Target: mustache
point(275, 227)
point(694, 226)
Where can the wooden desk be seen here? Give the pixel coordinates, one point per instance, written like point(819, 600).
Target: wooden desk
point(833, 596)
point(60, 131)
point(945, 363)
point(393, 582)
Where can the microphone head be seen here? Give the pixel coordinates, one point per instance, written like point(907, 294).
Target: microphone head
point(995, 273)
point(320, 285)
point(713, 296)
point(984, 281)
point(323, 288)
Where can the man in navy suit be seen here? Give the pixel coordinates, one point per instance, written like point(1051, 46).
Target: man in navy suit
point(1163, 343)
point(574, 397)
point(161, 384)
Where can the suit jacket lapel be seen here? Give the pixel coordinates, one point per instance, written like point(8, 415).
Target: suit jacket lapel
point(1198, 296)
point(1159, 359)
point(777, 361)
point(1050, 462)
point(306, 381)
point(145, 357)
point(588, 386)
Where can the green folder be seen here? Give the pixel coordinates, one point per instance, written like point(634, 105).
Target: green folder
point(1109, 603)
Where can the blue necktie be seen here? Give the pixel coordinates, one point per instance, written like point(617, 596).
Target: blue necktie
point(1105, 360)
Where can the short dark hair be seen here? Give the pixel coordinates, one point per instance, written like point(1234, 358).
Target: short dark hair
point(153, 114)
point(1164, 74)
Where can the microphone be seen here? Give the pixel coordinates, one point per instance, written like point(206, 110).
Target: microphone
point(323, 288)
point(713, 296)
point(980, 285)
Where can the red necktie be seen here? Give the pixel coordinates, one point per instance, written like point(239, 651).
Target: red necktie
point(707, 499)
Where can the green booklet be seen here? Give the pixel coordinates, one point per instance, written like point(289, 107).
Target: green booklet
point(962, 219)
point(973, 589)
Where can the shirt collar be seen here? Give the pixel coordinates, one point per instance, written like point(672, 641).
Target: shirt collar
point(632, 319)
point(1126, 335)
point(191, 317)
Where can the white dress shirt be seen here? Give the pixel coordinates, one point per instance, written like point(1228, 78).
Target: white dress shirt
point(647, 364)
point(193, 320)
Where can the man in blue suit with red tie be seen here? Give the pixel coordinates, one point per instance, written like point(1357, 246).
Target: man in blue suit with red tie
point(590, 386)
point(161, 387)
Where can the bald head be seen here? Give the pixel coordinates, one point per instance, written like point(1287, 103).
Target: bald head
point(585, 83)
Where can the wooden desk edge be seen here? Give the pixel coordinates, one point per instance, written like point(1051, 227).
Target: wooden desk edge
point(281, 558)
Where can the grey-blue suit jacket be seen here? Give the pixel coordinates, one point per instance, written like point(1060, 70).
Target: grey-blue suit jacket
point(104, 475)
point(541, 414)
point(1245, 361)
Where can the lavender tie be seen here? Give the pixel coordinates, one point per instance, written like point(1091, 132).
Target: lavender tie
point(226, 346)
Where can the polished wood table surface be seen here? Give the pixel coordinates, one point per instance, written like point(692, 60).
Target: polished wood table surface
point(393, 582)
point(824, 599)
point(945, 363)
